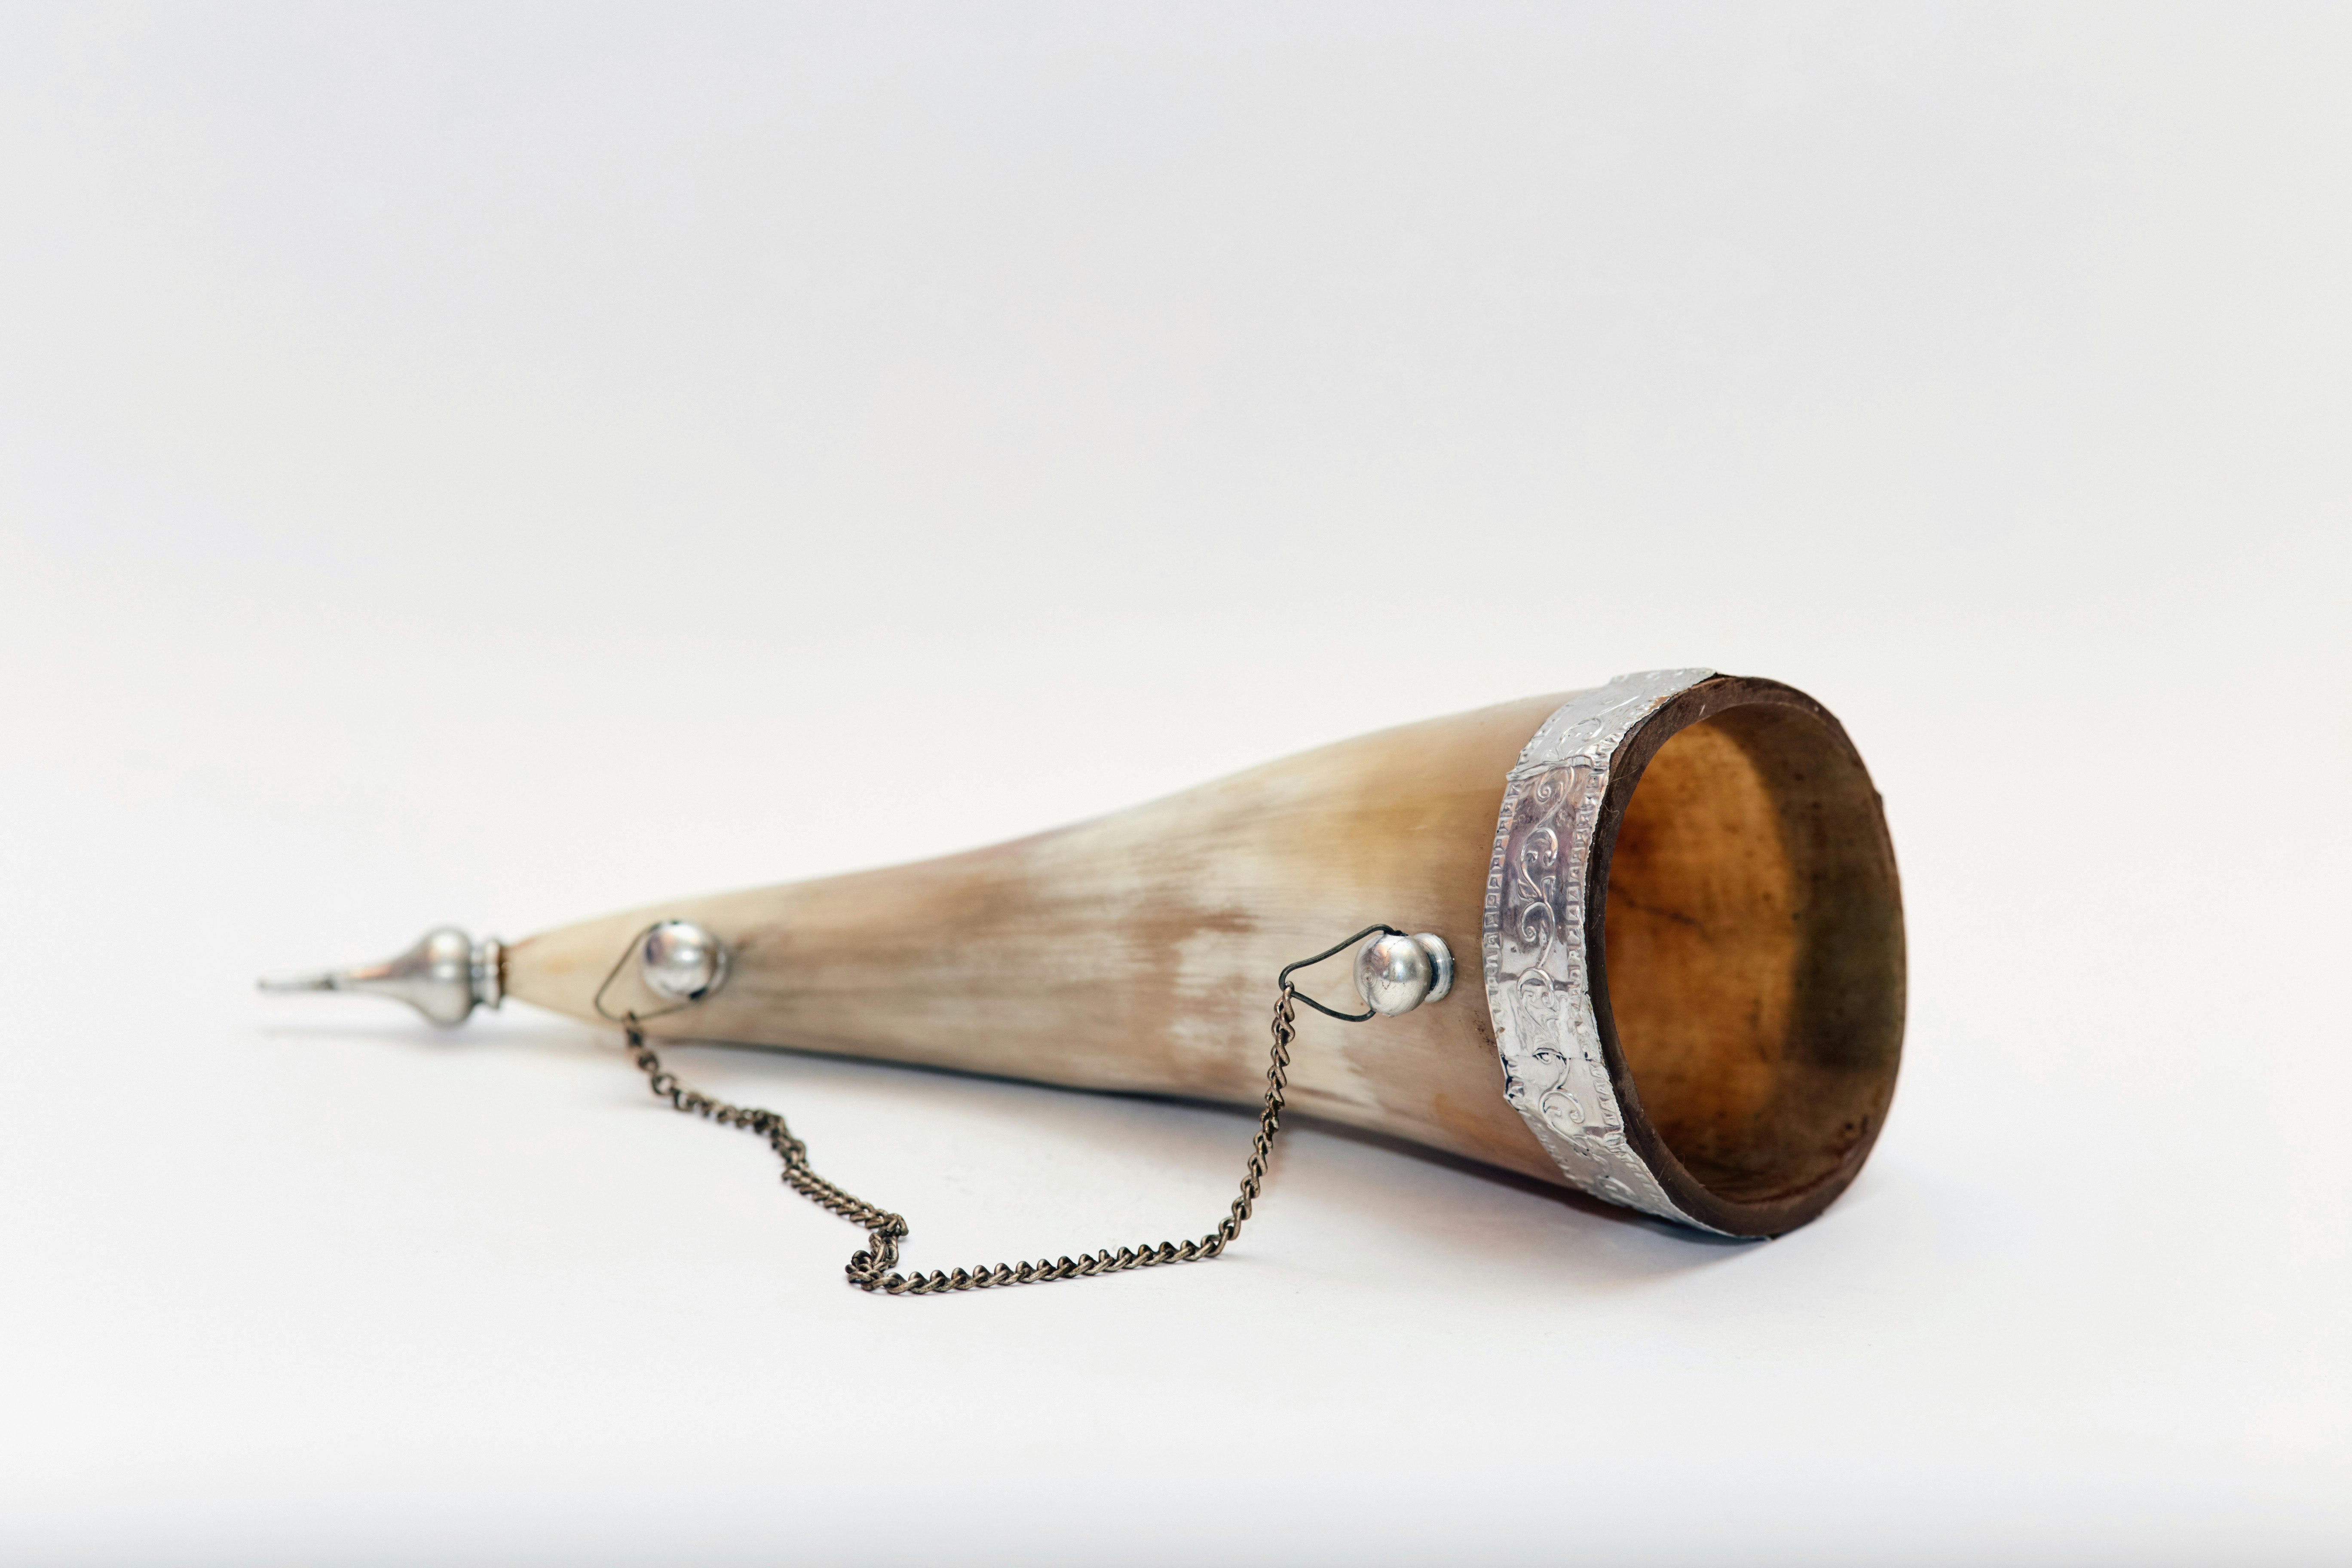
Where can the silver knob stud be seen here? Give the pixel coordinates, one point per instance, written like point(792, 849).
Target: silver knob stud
point(681, 961)
point(1397, 974)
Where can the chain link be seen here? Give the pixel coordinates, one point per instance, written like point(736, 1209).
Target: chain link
point(874, 1268)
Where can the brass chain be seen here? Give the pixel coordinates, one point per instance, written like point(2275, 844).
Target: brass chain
point(875, 1267)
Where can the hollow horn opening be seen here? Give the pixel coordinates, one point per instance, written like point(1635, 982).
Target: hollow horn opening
point(1748, 973)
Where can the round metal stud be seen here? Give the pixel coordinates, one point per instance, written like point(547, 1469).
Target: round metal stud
point(1440, 959)
point(1395, 974)
point(681, 961)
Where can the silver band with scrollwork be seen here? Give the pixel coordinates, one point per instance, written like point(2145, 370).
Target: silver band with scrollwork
point(1539, 988)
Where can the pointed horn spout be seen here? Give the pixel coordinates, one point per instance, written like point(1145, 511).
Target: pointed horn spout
point(445, 976)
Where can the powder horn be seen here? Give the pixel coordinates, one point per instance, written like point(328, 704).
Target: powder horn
point(1672, 899)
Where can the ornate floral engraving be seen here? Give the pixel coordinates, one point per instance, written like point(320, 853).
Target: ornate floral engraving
point(1537, 988)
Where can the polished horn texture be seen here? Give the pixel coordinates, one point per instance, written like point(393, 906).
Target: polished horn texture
point(1672, 900)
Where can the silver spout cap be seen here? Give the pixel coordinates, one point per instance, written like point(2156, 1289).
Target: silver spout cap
point(444, 976)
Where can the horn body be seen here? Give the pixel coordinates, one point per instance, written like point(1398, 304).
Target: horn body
point(1673, 908)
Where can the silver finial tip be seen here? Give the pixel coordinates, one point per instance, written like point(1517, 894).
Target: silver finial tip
point(445, 976)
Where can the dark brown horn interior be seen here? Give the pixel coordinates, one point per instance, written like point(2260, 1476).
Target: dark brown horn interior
point(1747, 961)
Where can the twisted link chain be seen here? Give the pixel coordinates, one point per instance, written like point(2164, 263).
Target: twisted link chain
point(875, 1267)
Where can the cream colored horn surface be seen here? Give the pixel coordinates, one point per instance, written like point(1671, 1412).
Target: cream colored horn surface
point(1139, 952)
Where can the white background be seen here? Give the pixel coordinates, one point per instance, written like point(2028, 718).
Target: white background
point(504, 466)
